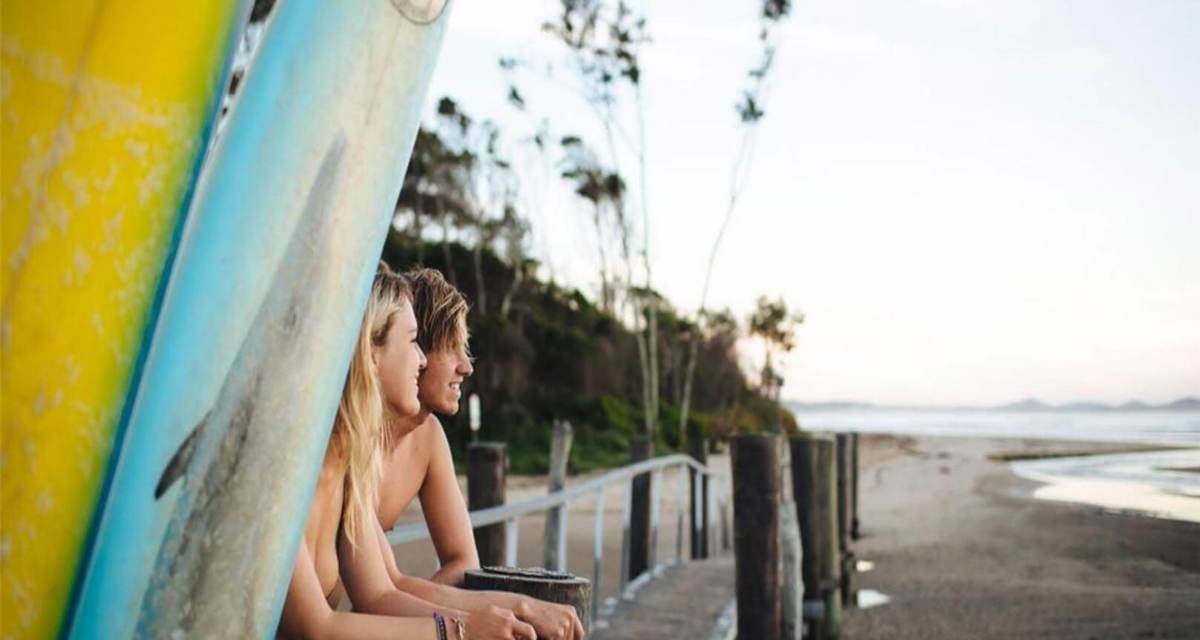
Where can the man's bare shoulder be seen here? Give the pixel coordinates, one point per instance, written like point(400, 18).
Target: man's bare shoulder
point(429, 443)
point(430, 432)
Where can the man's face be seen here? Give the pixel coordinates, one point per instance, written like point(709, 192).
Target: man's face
point(440, 386)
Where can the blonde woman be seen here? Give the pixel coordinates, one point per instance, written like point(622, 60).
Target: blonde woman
point(381, 388)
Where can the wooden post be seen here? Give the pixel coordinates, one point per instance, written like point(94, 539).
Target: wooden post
point(791, 586)
point(726, 538)
point(854, 531)
point(639, 520)
point(554, 543)
point(551, 586)
point(846, 555)
point(698, 493)
point(486, 462)
point(756, 490)
point(814, 484)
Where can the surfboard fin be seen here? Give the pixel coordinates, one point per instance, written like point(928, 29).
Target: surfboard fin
point(179, 462)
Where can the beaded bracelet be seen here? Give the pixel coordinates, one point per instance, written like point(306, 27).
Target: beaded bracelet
point(440, 622)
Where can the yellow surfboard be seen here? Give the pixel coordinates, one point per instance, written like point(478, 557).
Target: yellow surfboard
point(105, 109)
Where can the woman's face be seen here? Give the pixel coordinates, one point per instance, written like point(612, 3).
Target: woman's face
point(441, 383)
point(399, 362)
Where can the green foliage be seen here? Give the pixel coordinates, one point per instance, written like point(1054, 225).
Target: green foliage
point(772, 322)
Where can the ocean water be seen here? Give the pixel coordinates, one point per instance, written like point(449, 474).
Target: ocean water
point(1150, 427)
point(1164, 484)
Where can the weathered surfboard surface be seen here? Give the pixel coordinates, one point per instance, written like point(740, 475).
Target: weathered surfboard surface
point(107, 108)
point(229, 425)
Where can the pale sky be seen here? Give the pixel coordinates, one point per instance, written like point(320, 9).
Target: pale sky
point(972, 202)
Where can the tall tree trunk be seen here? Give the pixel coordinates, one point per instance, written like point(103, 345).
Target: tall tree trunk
point(606, 302)
point(450, 275)
point(506, 303)
point(652, 317)
point(736, 186)
point(417, 230)
point(480, 289)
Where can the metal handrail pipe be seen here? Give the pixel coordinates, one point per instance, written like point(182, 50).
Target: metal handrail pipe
point(501, 513)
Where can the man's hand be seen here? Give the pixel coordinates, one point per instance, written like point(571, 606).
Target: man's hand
point(496, 623)
point(551, 621)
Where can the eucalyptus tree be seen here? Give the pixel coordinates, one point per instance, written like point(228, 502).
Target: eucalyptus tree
point(435, 190)
point(604, 42)
point(474, 190)
point(604, 191)
point(775, 326)
point(750, 112)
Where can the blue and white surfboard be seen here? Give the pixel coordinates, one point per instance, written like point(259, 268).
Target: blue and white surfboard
point(233, 412)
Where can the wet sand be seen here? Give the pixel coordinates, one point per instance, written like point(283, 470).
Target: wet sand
point(963, 551)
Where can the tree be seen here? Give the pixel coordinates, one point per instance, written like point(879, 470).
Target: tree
point(776, 327)
point(750, 113)
point(604, 190)
point(604, 42)
point(460, 177)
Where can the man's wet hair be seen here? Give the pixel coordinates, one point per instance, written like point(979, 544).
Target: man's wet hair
point(441, 309)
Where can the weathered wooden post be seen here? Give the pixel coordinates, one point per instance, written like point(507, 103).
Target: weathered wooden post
point(642, 448)
point(698, 485)
point(854, 531)
point(814, 483)
point(551, 586)
point(554, 543)
point(756, 489)
point(844, 511)
point(723, 509)
point(791, 586)
point(486, 462)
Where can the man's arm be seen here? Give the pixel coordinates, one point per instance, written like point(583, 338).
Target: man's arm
point(446, 512)
point(550, 620)
point(450, 528)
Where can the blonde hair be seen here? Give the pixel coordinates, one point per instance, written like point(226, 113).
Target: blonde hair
point(358, 430)
point(440, 308)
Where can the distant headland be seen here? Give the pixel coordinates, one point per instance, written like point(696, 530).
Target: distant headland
point(1028, 404)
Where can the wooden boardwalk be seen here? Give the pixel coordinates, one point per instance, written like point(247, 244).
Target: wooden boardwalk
point(686, 601)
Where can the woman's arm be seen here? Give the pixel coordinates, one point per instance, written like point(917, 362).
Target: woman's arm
point(366, 570)
point(446, 512)
point(365, 573)
point(306, 614)
point(554, 621)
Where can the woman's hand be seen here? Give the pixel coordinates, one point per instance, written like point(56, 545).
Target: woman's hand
point(496, 623)
point(551, 621)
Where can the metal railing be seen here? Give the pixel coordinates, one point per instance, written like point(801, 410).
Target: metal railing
point(509, 514)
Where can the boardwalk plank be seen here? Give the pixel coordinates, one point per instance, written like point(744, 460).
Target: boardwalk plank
point(685, 602)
